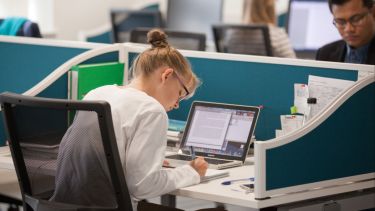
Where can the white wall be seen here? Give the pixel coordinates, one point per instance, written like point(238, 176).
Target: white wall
point(41, 11)
point(87, 14)
point(13, 8)
point(232, 11)
point(65, 18)
point(90, 14)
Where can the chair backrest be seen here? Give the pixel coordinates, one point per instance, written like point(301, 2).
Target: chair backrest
point(178, 39)
point(243, 39)
point(64, 163)
point(123, 21)
point(30, 29)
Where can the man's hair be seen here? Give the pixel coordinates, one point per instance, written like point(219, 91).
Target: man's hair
point(366, 3)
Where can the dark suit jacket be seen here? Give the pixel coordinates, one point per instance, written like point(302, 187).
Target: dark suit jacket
point(335, 52)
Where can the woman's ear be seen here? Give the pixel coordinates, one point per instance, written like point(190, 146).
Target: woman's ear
point(166, 73)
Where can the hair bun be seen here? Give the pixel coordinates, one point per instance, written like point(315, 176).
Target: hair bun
point(157, 38)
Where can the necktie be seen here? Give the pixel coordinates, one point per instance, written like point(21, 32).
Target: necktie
point(354, 57)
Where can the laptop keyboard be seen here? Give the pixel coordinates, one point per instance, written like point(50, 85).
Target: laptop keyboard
point(209, 160)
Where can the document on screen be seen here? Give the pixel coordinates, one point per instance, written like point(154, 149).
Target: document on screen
point(208, 129)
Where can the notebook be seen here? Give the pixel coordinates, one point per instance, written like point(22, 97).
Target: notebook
point(221, 133)
point(212, 174)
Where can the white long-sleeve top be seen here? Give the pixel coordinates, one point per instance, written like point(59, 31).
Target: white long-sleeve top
point(281, 46)
point(140, 123)
point(248, 42)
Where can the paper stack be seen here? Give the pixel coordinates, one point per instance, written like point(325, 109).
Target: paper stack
point(212, 174)
point(174, 134)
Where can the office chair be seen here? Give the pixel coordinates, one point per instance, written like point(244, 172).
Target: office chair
point(123, 21)
point(40, 132)
point(178, 39)
point(243, 39)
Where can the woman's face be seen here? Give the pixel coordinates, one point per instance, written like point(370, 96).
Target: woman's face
point(174, 89)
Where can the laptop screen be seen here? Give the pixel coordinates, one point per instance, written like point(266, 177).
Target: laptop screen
point(220, 130)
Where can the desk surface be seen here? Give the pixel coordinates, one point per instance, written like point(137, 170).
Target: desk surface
point(211, 191)
point(233, 194)
point(6, 159)
point(8, 178)
point(9, 184)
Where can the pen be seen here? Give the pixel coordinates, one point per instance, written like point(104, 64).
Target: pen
point(192, 152)
point(230, 182)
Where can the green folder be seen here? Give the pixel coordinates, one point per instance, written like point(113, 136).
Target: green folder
point(85, 77)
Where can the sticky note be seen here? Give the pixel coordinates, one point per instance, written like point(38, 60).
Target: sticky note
point(293, 110)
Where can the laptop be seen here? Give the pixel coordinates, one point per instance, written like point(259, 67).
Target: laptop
point(221, 133)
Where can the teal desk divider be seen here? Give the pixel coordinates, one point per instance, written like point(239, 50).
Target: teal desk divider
point(341, 144)
point(334, 151)
point(26, 61)
point(252, 83)
point(281, 20)
point(105, 37)
point(333, 148)
point(24, 65)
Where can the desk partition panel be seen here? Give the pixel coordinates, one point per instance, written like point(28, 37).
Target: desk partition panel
point(24, 62)
point(248, 80)
point(339, 146)
point(335, 147)
point(346, 133)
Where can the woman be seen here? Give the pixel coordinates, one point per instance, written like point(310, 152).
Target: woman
point(263, 12)
point(162, 78)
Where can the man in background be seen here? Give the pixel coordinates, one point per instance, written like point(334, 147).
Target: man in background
point(355, 21)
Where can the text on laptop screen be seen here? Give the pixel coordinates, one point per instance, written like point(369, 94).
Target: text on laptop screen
point(219, 130)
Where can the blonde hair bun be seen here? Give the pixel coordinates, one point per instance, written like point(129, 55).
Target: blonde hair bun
point(157, 38)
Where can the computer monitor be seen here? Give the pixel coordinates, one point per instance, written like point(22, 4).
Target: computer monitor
point(194, 15)
point(125, 20)
point(310, 25)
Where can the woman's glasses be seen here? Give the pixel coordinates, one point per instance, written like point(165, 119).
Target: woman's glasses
point(187, 93)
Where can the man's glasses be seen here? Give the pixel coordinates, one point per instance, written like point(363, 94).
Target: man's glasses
point(187, 93)
point(355, 20)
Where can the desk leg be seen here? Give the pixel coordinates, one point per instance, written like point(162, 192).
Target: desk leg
point(168, 200)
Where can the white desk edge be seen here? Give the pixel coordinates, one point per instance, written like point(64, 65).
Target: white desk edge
point(215, 191)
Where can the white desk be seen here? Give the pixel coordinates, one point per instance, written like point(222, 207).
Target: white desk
point(211, 191)
point(9, 184)
point(232, 194)
point(8, 178)
point(6, 159)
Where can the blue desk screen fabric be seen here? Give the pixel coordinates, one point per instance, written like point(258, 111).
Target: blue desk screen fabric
point(255, 84)
point(342, 146)
point(105, 37)
point(22, 66)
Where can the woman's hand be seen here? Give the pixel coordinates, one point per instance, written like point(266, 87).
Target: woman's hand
point(200, 165)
